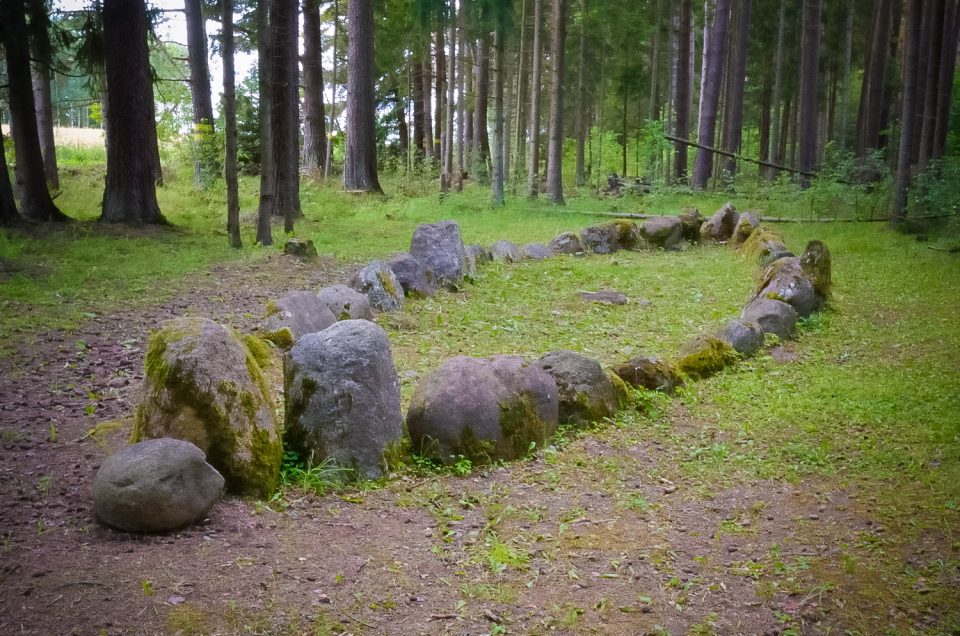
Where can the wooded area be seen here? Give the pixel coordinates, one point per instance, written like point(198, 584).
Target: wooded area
point(795, 84)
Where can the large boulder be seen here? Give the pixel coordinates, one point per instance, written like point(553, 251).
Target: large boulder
point(536, 251)
point(815, 263)
point(345, 303)
point(785, 280)
point(294, 315)
point(587, 394)
point(301, 248)
point(719, 227)
point(483, 409)
point(773, 316)
point(746, 225)
point(343, 397)
point(705, 355)
point(155, 486)
point(649, 372)
point(663, 231)
point(439, 247)
point(202, 384)
point(691, 220)
point(381, 287)
point(744, 337)
point(625, 233)
point(505, 252)
point(566, 243)
point(417, 281)
point(599, 239)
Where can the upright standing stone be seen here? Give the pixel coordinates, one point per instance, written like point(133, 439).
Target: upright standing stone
point(439, 247)
point(380, 285)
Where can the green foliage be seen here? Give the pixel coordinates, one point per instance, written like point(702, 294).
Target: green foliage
point(298, 473)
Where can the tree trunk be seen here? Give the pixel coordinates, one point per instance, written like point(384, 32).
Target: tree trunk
point(775, 152)
point(738, 76)
point(682, 88)
point(845, 80)
point(520, 159)
point(891, 86)
point(654, 107)
point(314, 111)
point(809, 78)
point(580, 173)
point(360, 167)
point(713, 78)
point(285, 110)
point(264, 72)
point(419, 105)
point(446, 179)
point(8, 205)
point(874, 79)
point(496, 190)
point(709, 7)
point(441, 95)
point(130, 195)
point(230, 126)
point(333, 89)
point(555, 131)
point(533, 152)
point(44, 106)
point(427, 79)
point(205, 165)
point(765, 120)
point(931, 94)
point(948, 58)
point(481, 138)
point(911, 50)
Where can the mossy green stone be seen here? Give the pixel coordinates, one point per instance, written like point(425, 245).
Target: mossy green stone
point(705, 356)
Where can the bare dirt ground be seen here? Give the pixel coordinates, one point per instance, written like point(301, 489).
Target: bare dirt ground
point(597, 537)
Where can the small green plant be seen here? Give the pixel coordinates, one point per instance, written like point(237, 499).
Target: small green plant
point(146, 586)
point(463, 466)
point(54, 434)
point(319, 478)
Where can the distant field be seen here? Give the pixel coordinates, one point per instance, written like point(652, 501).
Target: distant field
point(78, 137)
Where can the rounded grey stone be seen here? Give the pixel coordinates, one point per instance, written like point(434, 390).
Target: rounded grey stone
point(381, 287)
point(773, 316)
point(345, 303)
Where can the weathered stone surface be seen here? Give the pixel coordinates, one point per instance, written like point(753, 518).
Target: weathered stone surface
point(586, 392)
point(536, 251)
point(663, 231)
point(785, 280)
point(301, 248)
point(483, 409)
point(606, 297)
point(705, 355)
point(439, 247)
point(746, 338)
point(815, 263)
point(380, 286)
point(764, 246)
point(505, 252)
point(416, 280)
point(155, 486)
point(203, 385)
point(773, 316)
point(719, 227)
point(345, 303)
point(294, 315)
point(625, 233)
point(343, 397)
point(649, 372)
point(746, 225)
point(566, 243)
point(479, 253)
point(599, 239)
point(691, 220)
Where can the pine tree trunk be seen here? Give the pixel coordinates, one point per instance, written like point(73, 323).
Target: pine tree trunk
point(738, 75)
point(285, 110)
point(713, 78)
point(682, 102)
point(314, 111)
point(931, 93)
point(427, 78)
point(775, 153)
point(654, 108)
point(333, 90)
point(555, 130)
point(44, 106)
point(130, 195)
point(809, 78)
point(845, 81)
point(230, 126)
point(709, 7)
point(874, 79)
point(496, 190)
point(440, 97)
point(765, 119)
point(520, 140)
point(8, 205)
point(948, 57)
point(462, 115)
point(360, 167)
point(264, 71)
point(580, 172)
point(205, 165)
point(911, 63)
point(891, 86)
point(419, 105)
point(533, 152)
point(481, 136)
point(446, 179)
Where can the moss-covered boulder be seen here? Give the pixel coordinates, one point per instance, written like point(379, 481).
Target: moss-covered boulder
point(504, 251)
point(719, 227)
point(746, 338)
point(345, 303)
point(587, 393)
point(785, 280)
point(483, 409)
point(301, 248)
point(626, 234)
point(343, 397)
point(774, 316)
point(649, 372)
point(746, 225)
point(566, 243)
point(691, 220)
point(202, 384)
point(293, 316)
point(764, 246)
point(815, 263)
point(381, 287)
point(663, 231)
point(704, 356)
point(600, 239)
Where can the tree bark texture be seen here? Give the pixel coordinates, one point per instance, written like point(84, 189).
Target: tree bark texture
point(285, 110)
point(427, 79)
point(682, 88)
point(580, 178)
point(928, 106)
point(265, 209)
point(8, 205)
point(314, 110)
point(44, 106)
point(440, 95)
point(874, 81)
point(555, 130)
point(130, 195)
point(845, 80)
point(775, 155)
point(713, 80)
point(496, 151)
point(948, 57)
point(205, 165)
point(230, 126)
point(360, 166)
point(481, 136)
point(911, 54)
point(451, 80)
point(738, 74)
point(533, 152)
point(809, 79)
